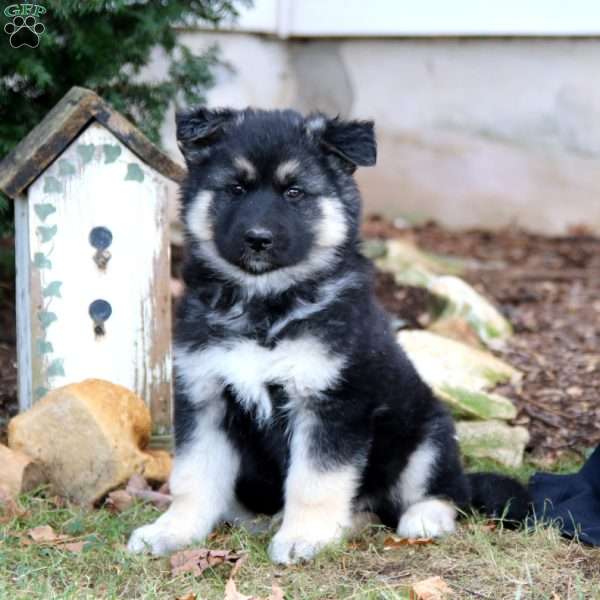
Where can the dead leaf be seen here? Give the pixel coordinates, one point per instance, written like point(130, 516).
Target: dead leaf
point(196, 561)
point(118, 501)
point(231, 592)
point(138, 487)
point(276, 593)
point(238, 565)
point(46, 536)
point(43, 533)
point(394, 541)
point(434, 588)
point(190, 596)
point(136, 483)
point(75, 547)
point(161, 501)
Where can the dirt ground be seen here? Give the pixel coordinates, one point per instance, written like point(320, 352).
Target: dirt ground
point(549, 289)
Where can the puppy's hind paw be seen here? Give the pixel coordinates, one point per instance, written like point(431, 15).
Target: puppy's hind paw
point(428, 518)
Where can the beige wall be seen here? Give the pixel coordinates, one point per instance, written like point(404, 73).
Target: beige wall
point(471, 132)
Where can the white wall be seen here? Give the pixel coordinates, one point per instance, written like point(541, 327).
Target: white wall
point(404, 18)
point(472, 132)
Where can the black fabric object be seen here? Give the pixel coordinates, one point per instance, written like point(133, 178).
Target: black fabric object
point(571, 501)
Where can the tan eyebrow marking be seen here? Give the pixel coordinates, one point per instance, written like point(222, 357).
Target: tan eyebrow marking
point(286, 169)
point(244, 165)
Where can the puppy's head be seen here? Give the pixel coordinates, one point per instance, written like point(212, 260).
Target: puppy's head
point(270, 198)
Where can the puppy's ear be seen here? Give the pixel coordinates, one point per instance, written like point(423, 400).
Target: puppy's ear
point(198, 129)
point(353, 141)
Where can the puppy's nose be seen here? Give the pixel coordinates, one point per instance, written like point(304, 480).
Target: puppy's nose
point(258, 239)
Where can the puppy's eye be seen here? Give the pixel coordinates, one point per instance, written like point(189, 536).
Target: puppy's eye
point(237, 189)
point(293, 193)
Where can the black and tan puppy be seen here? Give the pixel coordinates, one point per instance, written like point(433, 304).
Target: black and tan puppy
point(291, 391)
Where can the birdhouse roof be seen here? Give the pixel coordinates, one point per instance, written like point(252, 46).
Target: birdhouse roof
point(49, 138)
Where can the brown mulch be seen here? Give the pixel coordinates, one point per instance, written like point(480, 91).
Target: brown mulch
point(549, 289)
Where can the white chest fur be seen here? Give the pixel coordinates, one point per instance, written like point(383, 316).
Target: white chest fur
point(305, 367)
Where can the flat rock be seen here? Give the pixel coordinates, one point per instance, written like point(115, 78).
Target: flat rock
point(456, 328)
point(494, 440)
point(403, 255)
point(460, 301)
point(89, 436)
point(464, 302)
point(460, 375)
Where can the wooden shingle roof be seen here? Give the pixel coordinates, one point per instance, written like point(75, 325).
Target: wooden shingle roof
point(47, 140)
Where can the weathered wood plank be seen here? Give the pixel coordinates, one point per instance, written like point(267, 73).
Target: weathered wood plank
point(23, 302)
point(60, 126)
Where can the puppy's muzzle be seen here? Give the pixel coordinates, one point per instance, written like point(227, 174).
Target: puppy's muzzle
point(258, 239)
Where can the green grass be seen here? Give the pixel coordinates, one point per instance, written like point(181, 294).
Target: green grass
point(476, 562)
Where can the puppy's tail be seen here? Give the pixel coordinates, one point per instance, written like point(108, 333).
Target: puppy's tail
point(499, 496)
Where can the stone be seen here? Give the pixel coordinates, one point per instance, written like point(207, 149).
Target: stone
point(494, 440)
point(456, 328)
point(90, 438)
point(460, 375)
point(19, 473)
point(463, 301)
point(373, 248)
point(403, 255)
point(459, 302)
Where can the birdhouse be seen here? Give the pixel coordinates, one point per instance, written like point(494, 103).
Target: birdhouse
point(92, 254)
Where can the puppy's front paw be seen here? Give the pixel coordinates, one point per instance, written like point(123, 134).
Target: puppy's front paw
point(163, 537)
point(155, 539)
point(428, 518)
point(286, 551)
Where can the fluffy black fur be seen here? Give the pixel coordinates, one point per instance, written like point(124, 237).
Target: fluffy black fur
point(379, 411)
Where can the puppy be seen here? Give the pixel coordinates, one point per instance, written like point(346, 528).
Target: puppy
point(291, 392)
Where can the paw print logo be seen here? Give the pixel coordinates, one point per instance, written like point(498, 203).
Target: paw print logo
point(24, 31)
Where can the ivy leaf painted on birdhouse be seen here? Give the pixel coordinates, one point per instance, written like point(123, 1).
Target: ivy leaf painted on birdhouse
point(41, 261)
point(52, 290)
point(134, 172)
point(111, 153)
point(66, 167)
point(43, 211)
point(44, 347)
point(86, 152)
point(46, 233)
point(46, 318)
point(52, 185)
point(56, 368)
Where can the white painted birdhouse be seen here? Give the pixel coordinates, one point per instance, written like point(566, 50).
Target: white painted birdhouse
point(92, 252)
